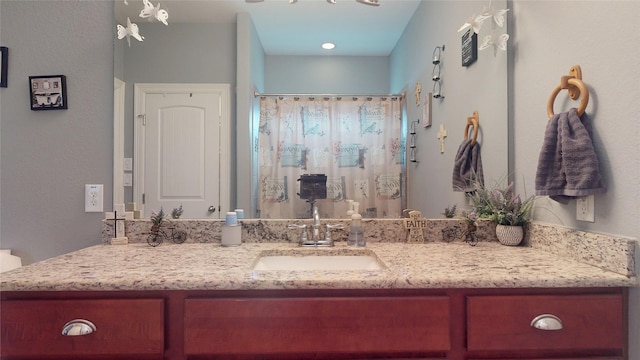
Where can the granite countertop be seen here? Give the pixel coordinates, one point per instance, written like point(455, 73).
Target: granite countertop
point(209, 266)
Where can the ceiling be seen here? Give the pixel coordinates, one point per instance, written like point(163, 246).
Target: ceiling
point(300, 28)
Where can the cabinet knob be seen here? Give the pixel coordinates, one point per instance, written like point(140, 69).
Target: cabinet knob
point(547, 322)
point(78, 327)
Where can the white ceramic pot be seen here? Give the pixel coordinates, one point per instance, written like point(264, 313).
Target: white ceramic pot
point(509, 235)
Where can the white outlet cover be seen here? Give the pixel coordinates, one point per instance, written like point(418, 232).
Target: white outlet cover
point(585, 208)
point(93, 196)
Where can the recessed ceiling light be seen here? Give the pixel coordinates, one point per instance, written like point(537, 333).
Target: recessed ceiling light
point(328, 46)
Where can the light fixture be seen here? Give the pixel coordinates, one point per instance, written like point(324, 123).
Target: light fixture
point(328, 45)
point(366, 2)
point(369, 2)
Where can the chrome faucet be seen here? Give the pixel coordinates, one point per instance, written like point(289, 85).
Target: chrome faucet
point(315, 239)
point(316, 224)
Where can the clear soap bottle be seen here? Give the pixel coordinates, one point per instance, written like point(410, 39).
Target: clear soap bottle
point(356, 230)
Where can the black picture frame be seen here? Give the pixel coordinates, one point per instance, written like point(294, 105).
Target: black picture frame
point(4, 65)
point(48, 92)
point(469, 48)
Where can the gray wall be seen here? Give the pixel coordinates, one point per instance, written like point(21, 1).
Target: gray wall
point(480, 87)
point(327, 74)
point(606, 46)
point(48, 156)
point(250, 75)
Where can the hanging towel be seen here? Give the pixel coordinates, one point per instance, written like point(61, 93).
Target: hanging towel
point(568, 165)
point(467, 168)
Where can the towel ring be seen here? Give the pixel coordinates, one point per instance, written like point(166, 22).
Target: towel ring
point(475, 122)
point(573, 83)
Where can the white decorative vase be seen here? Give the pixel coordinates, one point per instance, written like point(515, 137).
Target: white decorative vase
point(509, 235)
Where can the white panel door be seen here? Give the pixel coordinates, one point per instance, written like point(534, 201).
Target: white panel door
point(182, 153)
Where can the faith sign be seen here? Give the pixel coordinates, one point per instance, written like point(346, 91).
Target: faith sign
point(415, 223)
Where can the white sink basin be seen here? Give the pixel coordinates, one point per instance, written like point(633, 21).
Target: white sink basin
point(318, 262)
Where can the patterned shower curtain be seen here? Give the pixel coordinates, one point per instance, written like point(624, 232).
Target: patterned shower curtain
point(356, 142)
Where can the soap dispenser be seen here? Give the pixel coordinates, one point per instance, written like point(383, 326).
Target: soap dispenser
point(356, 230)
point(350, 211)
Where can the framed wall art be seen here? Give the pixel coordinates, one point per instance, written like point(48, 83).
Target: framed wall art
point(469, 48)
point(4, 63)
point(48, 92)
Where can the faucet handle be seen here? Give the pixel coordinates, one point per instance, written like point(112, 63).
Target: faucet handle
point(327, 235)
point(303, 234)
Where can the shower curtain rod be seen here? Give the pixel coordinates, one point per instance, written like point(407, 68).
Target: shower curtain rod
point(256, 94)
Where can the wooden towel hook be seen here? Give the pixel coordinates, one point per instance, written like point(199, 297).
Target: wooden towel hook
point(474, 121)
point(573, 83)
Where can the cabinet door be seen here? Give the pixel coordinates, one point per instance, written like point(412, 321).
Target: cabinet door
point(589, 322)
point(314, 325)
point(35, 327)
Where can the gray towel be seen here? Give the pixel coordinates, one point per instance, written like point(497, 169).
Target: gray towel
point(568, 165)
point(467, 168)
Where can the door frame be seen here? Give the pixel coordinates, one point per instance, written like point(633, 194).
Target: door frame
point(118, 140)
point(224, 152)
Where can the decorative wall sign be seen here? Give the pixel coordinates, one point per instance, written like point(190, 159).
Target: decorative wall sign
point(48, 92)
point(4, 62)
point(469, 48)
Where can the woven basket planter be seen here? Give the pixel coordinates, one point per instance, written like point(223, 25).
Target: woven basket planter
point(509, 235)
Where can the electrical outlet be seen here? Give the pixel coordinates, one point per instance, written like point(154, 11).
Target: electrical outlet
point(93, 197)
point(585, 208)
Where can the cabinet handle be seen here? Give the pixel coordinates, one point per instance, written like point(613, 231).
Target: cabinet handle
point(78, 327)
point(547, 322)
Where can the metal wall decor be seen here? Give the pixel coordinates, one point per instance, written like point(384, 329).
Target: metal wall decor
point(435, 73)
point(412, 141)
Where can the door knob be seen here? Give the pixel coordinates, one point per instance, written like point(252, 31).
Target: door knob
point(212, 209)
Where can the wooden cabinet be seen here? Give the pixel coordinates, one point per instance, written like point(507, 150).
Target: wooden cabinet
point(453, 324)
point(582, 322)
point(132, 327)
point(317, 325)
point(592, 326)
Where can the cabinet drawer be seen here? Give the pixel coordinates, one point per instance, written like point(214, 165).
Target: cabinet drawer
point(304, 325)
point(589, 322)
point(123, 326)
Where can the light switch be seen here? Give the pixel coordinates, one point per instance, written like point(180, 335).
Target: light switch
point(128, 164)
point(127, 179)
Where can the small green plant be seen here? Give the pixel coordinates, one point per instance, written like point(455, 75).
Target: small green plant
point(449, 212)
point(177, 212)
point(501, 205)
point(470, 217)
point(157, 218)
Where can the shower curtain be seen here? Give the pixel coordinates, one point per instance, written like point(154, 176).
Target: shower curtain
point(356, 142)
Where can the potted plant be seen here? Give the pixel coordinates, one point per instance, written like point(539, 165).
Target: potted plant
point(506, 209)
point(449, 212)
point(156, 220)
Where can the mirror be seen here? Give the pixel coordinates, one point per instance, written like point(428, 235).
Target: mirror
point(219, 52)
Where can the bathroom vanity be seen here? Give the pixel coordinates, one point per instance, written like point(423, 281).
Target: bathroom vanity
point(428, 301)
